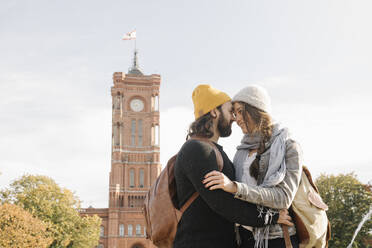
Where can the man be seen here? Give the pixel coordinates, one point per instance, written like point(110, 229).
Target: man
point(209, 220)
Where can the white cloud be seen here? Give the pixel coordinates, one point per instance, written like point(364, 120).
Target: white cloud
point(75, 153)
point(329, 137)
point(55, 80)
point(334, 137)
point(50, 128)
point(174, 123)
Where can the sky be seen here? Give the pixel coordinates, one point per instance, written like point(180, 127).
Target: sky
point(57, 59)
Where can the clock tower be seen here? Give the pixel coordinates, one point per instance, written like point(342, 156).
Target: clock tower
point(135, 158)
point(135, 163)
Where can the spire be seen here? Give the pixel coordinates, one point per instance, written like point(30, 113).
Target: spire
point(135, 68)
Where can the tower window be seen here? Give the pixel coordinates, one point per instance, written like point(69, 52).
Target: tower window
point(101, 231)
point(139, 132)
point(121, 230)
point(131, 178)
point(138, 230)
point(130, 230)
point(142, 178)
point(133, 133)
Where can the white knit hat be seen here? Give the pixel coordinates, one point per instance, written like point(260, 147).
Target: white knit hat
point(256, 96)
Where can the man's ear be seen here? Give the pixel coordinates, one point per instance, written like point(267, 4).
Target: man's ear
point(214, 113)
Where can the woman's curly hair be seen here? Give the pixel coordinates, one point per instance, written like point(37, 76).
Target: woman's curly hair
point(263, 125)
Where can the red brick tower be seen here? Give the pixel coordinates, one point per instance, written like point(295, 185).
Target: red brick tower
point(135, 162)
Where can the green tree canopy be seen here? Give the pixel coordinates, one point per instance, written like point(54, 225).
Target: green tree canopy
point(56, 206)
point(348, 201)
point(18, 228)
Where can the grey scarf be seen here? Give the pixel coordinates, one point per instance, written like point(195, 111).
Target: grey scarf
point(275, 172)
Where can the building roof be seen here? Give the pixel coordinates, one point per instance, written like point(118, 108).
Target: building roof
point(135, 70)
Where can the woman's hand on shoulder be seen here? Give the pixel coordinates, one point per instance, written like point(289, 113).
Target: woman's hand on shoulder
point(217, 180)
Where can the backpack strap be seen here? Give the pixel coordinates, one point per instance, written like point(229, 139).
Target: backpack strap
point(308, 175)
point(287, 239)
point(220, 167)
point(189, 201)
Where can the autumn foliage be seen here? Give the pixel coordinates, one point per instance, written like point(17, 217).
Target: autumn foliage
point(18, 228)
point(57, 208)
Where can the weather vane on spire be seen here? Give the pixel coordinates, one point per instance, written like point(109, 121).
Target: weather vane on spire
point(135, 68)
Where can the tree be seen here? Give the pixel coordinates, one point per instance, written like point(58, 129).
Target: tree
point(348, 201)
point(56, 206)
point(18, 228)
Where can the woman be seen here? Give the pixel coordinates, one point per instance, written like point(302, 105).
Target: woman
point(267, 166)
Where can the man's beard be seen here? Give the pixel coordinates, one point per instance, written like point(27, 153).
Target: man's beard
point(223, 126)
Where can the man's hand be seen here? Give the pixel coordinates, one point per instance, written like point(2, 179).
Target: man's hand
point(284, 218)
point(217, 180)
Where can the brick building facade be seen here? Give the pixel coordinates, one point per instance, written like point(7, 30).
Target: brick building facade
point(135, 158)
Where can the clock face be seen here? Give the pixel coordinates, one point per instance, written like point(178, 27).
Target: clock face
point(136, 105)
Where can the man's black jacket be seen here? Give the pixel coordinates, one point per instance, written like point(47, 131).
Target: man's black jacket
point(209, 220)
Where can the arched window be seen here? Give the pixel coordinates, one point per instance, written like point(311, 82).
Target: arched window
point(133, 133)
point(138, 230)
point(121, 230)
point(131, 178)
point(130, 230)
point(139, 132)
point(142, 178)
point(101, 231)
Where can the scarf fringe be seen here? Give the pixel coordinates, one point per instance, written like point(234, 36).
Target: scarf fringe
point(261, 234)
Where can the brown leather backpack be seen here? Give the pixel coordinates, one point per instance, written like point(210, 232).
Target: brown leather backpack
point(161, 208)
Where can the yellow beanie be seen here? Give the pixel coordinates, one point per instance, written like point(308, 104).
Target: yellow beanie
point(206, 98)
